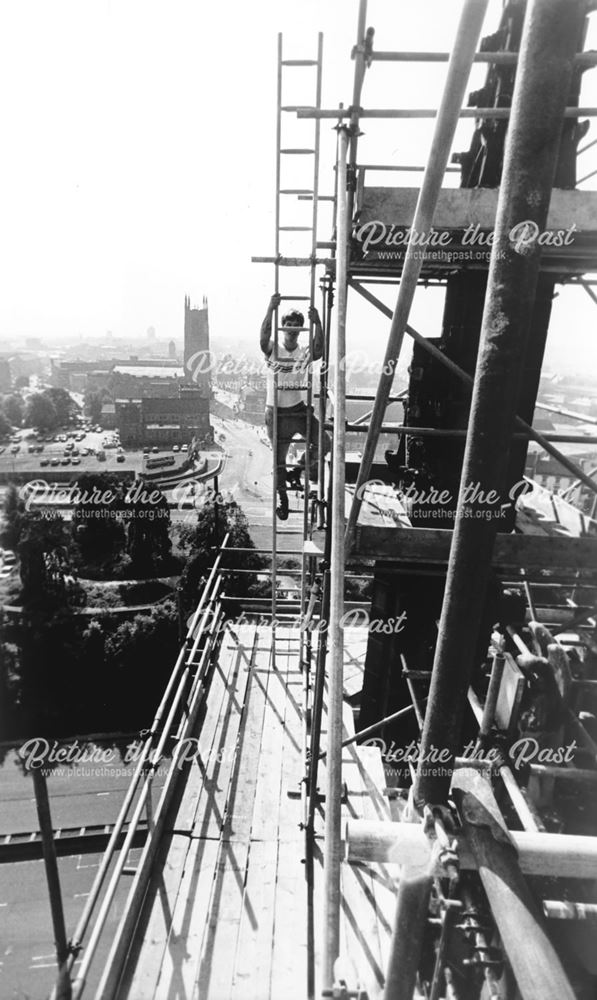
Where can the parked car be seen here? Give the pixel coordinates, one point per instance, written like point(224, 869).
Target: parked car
point(155, 449)
point(65, 460)
point(76, 460)
point(44, 462)
point(175, 447)
point(55, 461)
point(120, 458)
point(184, 447)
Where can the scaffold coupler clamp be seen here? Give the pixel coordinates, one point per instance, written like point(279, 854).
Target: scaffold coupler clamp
point(438, 826)
point(340, 991)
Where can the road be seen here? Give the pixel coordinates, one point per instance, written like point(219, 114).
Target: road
point(27, 960)
point(249, 478)
point(81, 794)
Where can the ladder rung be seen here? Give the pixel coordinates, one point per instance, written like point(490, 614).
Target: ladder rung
point(299, 62)
point(291, 107)
point(295, 229)
point(326, 245)
point(296, 152)
point(321, 197)
point(296, 191)
point(295, 298)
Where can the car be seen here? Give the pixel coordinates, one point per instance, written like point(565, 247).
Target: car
point(155, 449)
point(55, 461)
point(32, 449)
point(44, 462)
point(65, 460)
point(76, 461)
point(15, 449)
point(184, 447)
point(74, 450)
point(175, 447)
point(146, 450)
point(120, 458)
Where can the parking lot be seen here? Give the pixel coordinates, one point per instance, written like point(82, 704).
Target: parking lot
point(74, 450)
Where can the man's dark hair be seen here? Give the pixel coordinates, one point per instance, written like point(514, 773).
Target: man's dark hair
point(293, 318)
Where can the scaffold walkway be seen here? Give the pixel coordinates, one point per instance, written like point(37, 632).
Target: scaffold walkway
point(227, 912)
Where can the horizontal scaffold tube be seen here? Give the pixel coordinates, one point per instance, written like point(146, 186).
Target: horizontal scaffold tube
point(385, 842)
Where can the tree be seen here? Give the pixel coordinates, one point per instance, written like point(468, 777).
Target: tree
point(63, 403)
point(41, 412)
point(13, 409)
point(14, 509)
point(44, 551)
point(22, 382)
point(93, 402)
point(216, 519)
point(148, 531)
point(5, 426)
point(97, 524)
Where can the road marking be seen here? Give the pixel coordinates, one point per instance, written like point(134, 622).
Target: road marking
point(80, 895)
point(40, 958)
point(3, 904)
point(81, 866)
point(102, 793)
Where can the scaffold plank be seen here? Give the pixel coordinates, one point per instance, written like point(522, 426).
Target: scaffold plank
point(178, 969)
point(426, 545)
point(253, 966)
point(216, 967)
point(205, 765)
point(241, 799)
point(145, 963)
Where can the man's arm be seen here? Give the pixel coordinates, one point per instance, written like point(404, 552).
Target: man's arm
point(266, 327)
point(317, 333)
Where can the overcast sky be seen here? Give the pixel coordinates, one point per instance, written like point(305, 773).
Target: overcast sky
point(139, 153)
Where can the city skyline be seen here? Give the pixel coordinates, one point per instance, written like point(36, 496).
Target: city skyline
point(139, 171)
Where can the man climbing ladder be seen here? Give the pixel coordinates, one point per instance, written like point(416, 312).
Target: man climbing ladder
point(291, 366)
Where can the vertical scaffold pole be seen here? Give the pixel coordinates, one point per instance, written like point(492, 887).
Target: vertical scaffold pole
point(49, 851)
point(333, 846)
point(275, 355)
point(448, 116)
point(551, 33)
point(312, 286)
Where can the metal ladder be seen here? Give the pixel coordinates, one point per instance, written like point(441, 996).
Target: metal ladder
point(307, 193)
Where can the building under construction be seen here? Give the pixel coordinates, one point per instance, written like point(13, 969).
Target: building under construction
point(399, 804)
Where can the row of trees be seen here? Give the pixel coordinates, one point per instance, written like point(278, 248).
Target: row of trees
point(62, 672)
point(47, 410)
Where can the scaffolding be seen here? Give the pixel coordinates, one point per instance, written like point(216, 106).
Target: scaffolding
point(464, 864)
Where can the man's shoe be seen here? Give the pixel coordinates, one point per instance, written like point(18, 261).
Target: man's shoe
point(282, 508)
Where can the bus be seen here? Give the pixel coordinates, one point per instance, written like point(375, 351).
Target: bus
point(160, 461)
